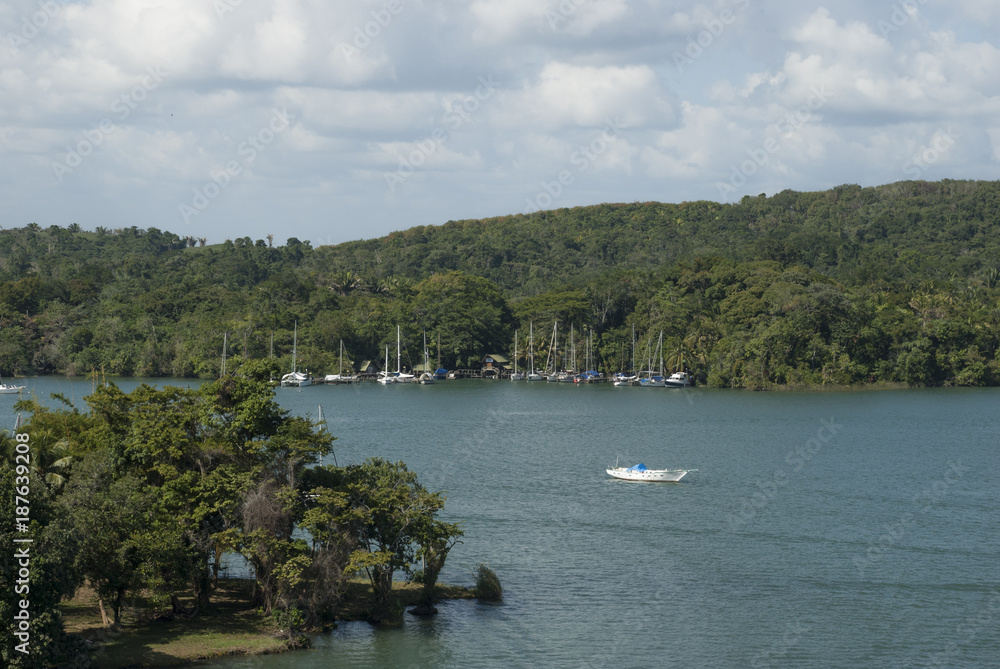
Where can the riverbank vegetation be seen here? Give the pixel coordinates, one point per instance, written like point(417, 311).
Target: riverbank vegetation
point(142, 496)
point(892, 284)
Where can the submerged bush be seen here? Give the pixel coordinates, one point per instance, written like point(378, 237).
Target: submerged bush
point(488, 588)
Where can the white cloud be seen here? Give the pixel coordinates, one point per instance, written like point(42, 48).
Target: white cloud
point(365, 82)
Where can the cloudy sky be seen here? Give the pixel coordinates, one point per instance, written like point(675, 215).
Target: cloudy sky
point(333, 120)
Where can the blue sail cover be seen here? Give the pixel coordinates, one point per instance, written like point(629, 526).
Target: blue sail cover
point(637, 468)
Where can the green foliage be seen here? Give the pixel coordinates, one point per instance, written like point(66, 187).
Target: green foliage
point(897, 283)
point(488, 588)
point(49, 579)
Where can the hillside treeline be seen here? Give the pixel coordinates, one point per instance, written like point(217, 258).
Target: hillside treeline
point(896, 283)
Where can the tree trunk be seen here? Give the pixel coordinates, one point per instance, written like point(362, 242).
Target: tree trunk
point(104, 614)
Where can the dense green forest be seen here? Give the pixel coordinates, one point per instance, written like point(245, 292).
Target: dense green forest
point(896, 283)
point(139, 495)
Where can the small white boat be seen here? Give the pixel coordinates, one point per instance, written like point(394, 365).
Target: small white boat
point(385, 377)
point(621, 380)
point(296, 379)
point(640, 472)
point(652, 380)
point(678, 380)
point(9, 390)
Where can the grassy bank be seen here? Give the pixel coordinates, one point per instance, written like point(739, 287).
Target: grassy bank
point(231, 627)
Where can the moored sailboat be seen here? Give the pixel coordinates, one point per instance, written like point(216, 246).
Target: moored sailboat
point(516, 375)
point(296, 378)
point(532, 374)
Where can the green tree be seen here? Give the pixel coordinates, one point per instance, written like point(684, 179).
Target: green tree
point(51, 576)
point(396, 514)
point(468, 312)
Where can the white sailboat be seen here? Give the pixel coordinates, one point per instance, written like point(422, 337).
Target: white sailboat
point(340, 377)
point(426, 378)
point(385, 377)
point(623, 379)
point(568, 374)
point(649, 378)
point(401, 377)
point(532, 374)
point(516, 375)
point(553, 375)
point(640, 472)
point(296, 378)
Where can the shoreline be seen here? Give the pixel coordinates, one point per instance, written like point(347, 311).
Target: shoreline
point(776, 387)
point(232, 626)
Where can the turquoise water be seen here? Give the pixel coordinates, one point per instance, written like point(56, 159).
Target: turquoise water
point(821, 529)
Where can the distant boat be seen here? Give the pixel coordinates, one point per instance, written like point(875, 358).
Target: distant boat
point(401, 376)
point(9, 389)
point(679, 380)
point(340, 377)
point(385, 377)
point(553, 375)
point(426, 378)
point(440, 374)
point(532, 375)
point(649, 378)
point(296, 378)
point(516, 375)
point(640, 472)
point(622, 379)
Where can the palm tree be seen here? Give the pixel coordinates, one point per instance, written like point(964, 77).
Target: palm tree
point(50, 458)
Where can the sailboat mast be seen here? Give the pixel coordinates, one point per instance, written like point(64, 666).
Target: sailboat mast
point(633, 348)
point(295, 345)
point(572, 347)
point(555, 347)
point(515, 351)
point(531, 345)
point(399, 354)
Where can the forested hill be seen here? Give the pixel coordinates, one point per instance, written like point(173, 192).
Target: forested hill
point(902, 231)
point(893, 283)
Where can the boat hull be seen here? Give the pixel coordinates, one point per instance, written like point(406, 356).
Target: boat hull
point(651, 475)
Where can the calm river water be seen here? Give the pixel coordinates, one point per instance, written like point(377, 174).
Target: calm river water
point(856, 529)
